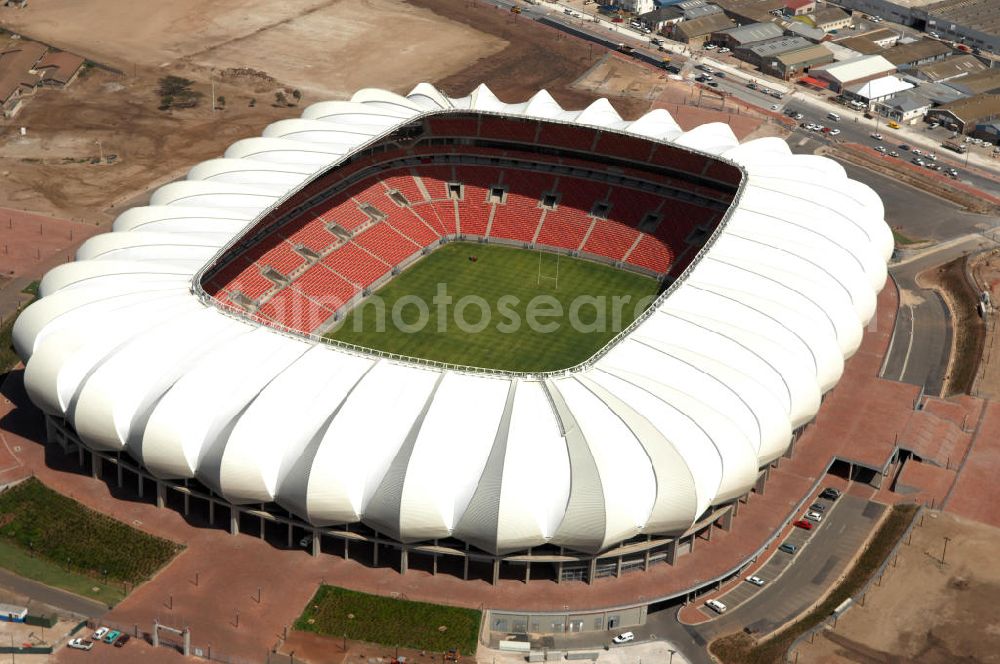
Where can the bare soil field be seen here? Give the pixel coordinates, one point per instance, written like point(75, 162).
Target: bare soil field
point(986, 272)
point(924, 610)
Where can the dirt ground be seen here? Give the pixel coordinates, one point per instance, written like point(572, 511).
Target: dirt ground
point(925, 611)
point(986, 272)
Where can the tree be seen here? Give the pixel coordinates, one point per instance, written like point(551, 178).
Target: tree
point(253, 102)
point(296, 95)
point(280, 99)
point(221, 101)
point(176, 92)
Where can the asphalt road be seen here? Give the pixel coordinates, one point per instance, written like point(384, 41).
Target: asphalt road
point(824, 554)
point(58, 599)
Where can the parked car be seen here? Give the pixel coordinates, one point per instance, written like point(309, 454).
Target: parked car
point(80, 644)
point(904, 146)
point(803, 524)
point(818, 507)
point(99, 634)
point(880, 148)
point(756, 580)
point(917, 151)
point(814, 516)
point(122, 640)
point(723, 50)
point(788, 548)
point(917, 161)
point(893, 154)
point(713, 84)
point(799, 116)
point(111, 636)
point(834, 132)
point(830, 493)
point(716, 605)
point(720, 74)
point(624, 637)
point(877, 136)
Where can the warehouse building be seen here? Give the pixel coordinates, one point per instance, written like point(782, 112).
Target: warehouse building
point(839, 75)
point(793, 64)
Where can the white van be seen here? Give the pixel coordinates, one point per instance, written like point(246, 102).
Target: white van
point(833, 116)
point(716, 605)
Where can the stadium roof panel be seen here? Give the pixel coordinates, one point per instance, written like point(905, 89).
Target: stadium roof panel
point(676, 416)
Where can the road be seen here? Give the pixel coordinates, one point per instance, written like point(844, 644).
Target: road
point(825, 553)
point(58, 599)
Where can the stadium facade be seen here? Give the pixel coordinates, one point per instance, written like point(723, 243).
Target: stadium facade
point(156, 353)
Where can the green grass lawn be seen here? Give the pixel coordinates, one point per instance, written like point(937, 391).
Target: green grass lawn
point(22, 563)
point(58, 530)
point(392, 622)
point(531, 321)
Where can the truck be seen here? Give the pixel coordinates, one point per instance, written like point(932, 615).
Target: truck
point(956, 146)
point(625, 48)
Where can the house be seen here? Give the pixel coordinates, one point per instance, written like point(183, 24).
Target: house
point(920, 52)
point(59, 68)
point(966, 114)
point(758, 52)
point(660, 18)
point(860, 45)
point(949, 68)
point(983, 82)
point(799, 7)
point(800, 29)
point(829, 19)
point(910, 106)
point(877, 90)
point(752, 11)
point(795, 63)
point(747, 34)
point(637, 6)
point(17, 79)
point(883, 37)
point(698, 31)
point(839, 75)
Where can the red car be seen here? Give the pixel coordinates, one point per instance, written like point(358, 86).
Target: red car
point(803, 524)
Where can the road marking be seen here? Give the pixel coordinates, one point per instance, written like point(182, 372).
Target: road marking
point(802, 142)
point(909, 345)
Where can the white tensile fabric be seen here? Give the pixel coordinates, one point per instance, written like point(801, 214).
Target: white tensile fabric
point(678, 416)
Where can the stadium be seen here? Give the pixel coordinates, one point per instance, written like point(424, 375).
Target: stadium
point(203, 349)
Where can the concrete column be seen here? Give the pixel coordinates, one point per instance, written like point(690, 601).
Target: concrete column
point(727, 518)
point(593, 570)
point(403, 560)
point(791, 448)
point(291, 534)
point(693, 538)
point(877, 480)
point(119, 469)
point(708, 532)
point(316, 548)
point(759, 485)
point(263, 524)
point(672, 552)
point(187, 642)
point(496, 571)
point(234, 520)
point(187, 504)
point(141, 483)
point(161, 494)
point(465, 566)
point(559, 568)
point(618, 569)
point(374, 554)
point(347, 549)
point(527, 572)
point(211, 512)
point(646, 555)
point(79, 454)
point(156, 634)
point(95, 466)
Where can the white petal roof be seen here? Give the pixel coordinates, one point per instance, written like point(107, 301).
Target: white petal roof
point(677, 415)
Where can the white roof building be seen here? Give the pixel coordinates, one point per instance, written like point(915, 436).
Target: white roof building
point(844, 73)
point(879, 89)
point(676, 416)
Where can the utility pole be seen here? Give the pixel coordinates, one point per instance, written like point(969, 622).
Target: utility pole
point(946, 540)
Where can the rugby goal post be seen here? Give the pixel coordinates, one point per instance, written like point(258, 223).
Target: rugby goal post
point(541, 275)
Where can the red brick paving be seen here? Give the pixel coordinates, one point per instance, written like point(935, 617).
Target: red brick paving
point(27, 239)
point(859, 420)
point(976, 489)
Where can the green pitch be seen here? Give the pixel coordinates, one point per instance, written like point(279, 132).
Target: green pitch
point(499, 307)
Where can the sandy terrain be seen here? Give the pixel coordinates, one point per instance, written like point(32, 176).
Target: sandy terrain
point(325, 47)
point(926, 611)
point(986, 271)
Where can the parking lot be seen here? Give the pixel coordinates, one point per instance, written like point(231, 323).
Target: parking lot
point(794, 582)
